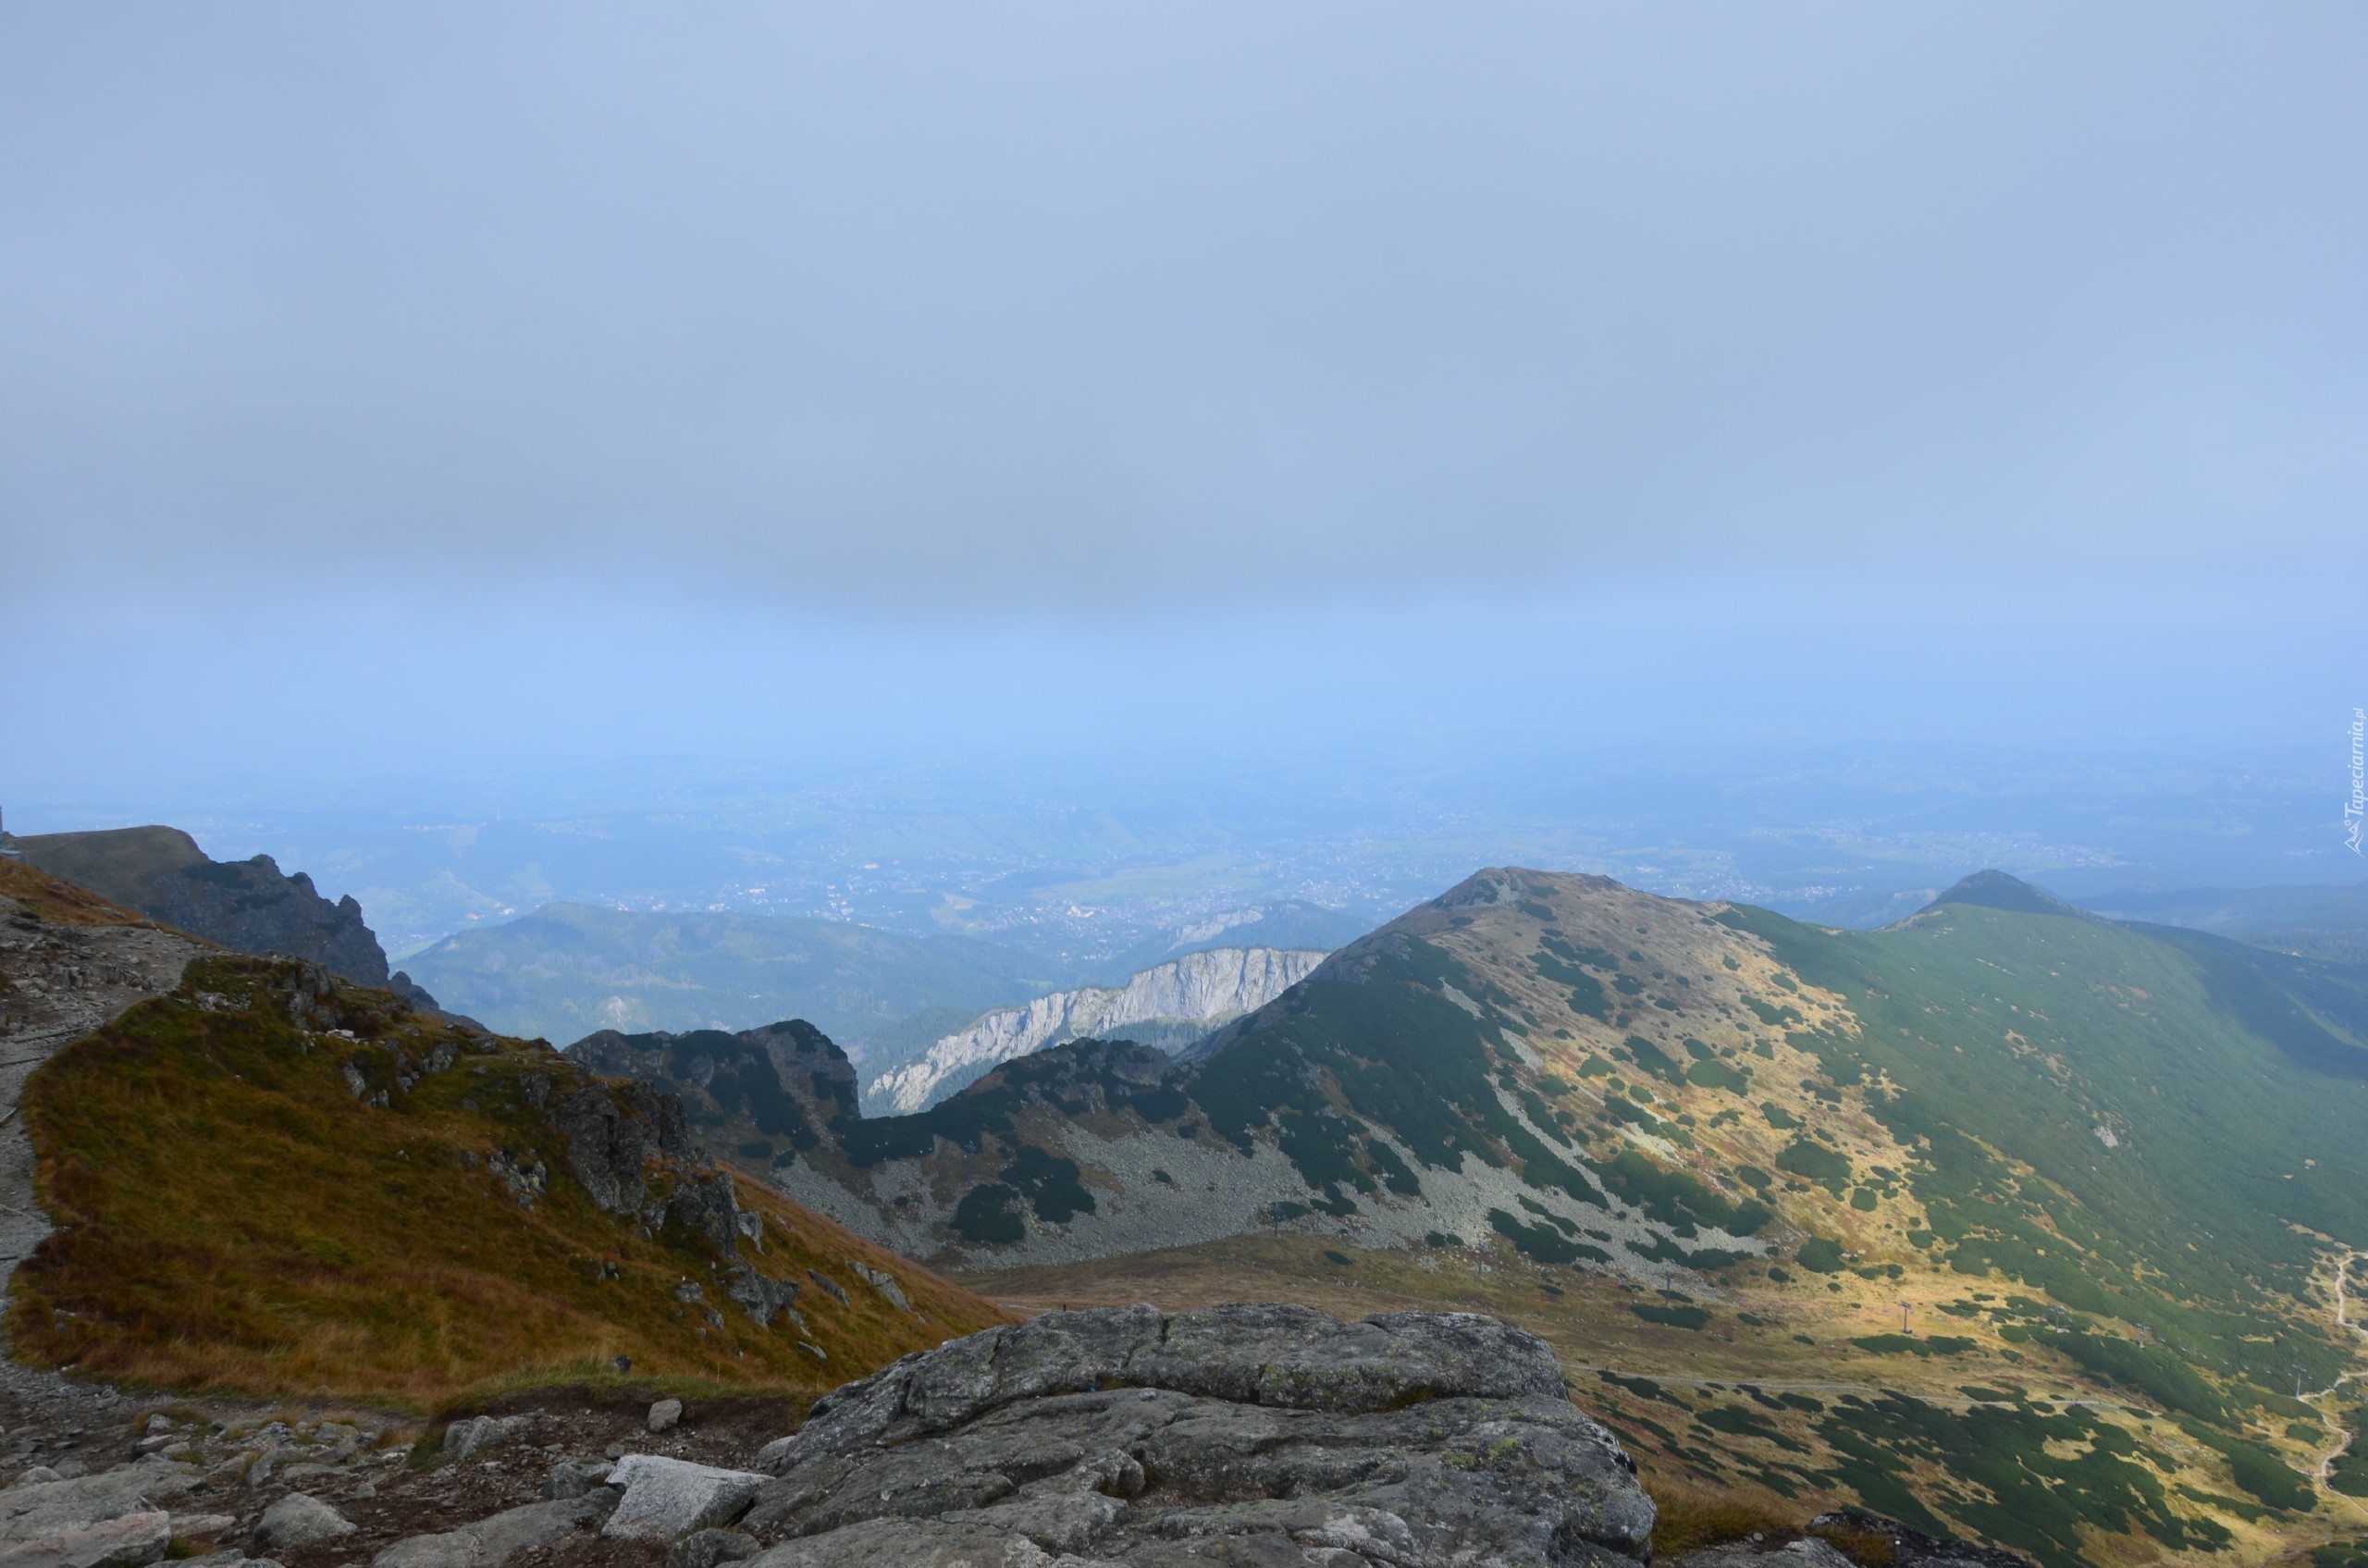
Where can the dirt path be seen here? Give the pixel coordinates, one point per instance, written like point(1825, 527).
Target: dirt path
point(58, 983)
point(2340, 1435)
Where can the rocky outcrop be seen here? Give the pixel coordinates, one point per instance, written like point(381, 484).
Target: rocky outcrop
point(246, 906)
point(1237, 1434)
point(611, 1129)
point(1198, 992)
point(785, 1082)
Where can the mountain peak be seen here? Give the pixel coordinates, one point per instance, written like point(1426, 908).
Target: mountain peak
point(1996, 890)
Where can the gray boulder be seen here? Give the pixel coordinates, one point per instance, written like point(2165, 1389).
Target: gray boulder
point(1248, 1434)
point(126, 1540)
point(464, 1440)
point(668, 1499)
point(574, 1477)
point(665, 1415)
point(494, 1540)
point(37, 1505)
point(297, 1521)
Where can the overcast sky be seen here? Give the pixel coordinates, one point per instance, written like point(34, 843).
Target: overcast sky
point(1880, 315)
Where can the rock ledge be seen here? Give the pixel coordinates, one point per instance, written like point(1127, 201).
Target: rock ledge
point(1268, 1434)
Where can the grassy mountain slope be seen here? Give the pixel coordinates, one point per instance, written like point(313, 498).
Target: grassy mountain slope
point(52, 898)
point(1993, 1159)
point(2327, 920)
point(568, 970)
point(268, 1183)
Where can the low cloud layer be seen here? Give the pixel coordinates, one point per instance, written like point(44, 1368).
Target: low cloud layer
point(1075, 306)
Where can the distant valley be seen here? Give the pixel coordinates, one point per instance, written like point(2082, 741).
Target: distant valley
point(568, 970)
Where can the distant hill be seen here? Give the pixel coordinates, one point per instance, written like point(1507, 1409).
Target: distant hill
point(269, 1182)
point(569, 969)
point(1990, 1151)
point(1996, 890)
point(246, 906)
point(1169, 1006)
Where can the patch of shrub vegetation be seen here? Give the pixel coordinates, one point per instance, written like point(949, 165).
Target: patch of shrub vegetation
point(1819, 1254)
point(2150, 1369)
point(1049, 1183)
point(1693, 1317)
point(988, 1216)
point(1830, 1168)
point(1718, 1074)
point(1907, 1344)
point(1542, 1243)
point(2037, 1502)
point(2260, 1472)
point(1678, 1199)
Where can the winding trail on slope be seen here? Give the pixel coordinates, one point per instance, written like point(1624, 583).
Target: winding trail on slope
point(2325, 1472)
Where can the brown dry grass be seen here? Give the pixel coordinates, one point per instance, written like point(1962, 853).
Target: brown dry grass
point(233, 1220)
point(60, 902)
point(1690, 1517)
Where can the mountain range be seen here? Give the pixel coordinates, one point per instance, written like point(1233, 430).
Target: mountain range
point(2010, 1221)
point(2000, 1147)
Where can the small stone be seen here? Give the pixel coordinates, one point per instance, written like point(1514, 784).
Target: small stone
point(159, 1423)
point(665, 1414)
point(39, 1473)
point(194, 1526)
point(297, 1521)
point(574, 1477)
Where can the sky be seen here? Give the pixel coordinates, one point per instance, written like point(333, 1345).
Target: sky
point(431, 390)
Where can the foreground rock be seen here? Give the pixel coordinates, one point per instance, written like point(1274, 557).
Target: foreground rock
point(1240, 1434)
point(297, 1521)
point(128, 1540)
point(667, 1498)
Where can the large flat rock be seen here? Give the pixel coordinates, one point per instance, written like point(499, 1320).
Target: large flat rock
point(1246, 1433)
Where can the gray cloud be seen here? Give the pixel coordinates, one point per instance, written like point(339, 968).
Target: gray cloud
point(1066, 305)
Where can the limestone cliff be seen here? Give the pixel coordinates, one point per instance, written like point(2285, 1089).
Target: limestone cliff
point(1198, 992)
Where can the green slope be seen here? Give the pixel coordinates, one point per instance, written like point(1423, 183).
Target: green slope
point(568, 970)
point(1997, 1043)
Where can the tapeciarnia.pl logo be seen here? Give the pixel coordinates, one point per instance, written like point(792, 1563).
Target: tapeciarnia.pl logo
point(2355, 810)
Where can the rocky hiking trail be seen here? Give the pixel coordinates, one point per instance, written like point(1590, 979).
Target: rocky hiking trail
point(68, 963)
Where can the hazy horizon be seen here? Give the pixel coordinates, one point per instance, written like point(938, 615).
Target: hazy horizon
point(1340, 439)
